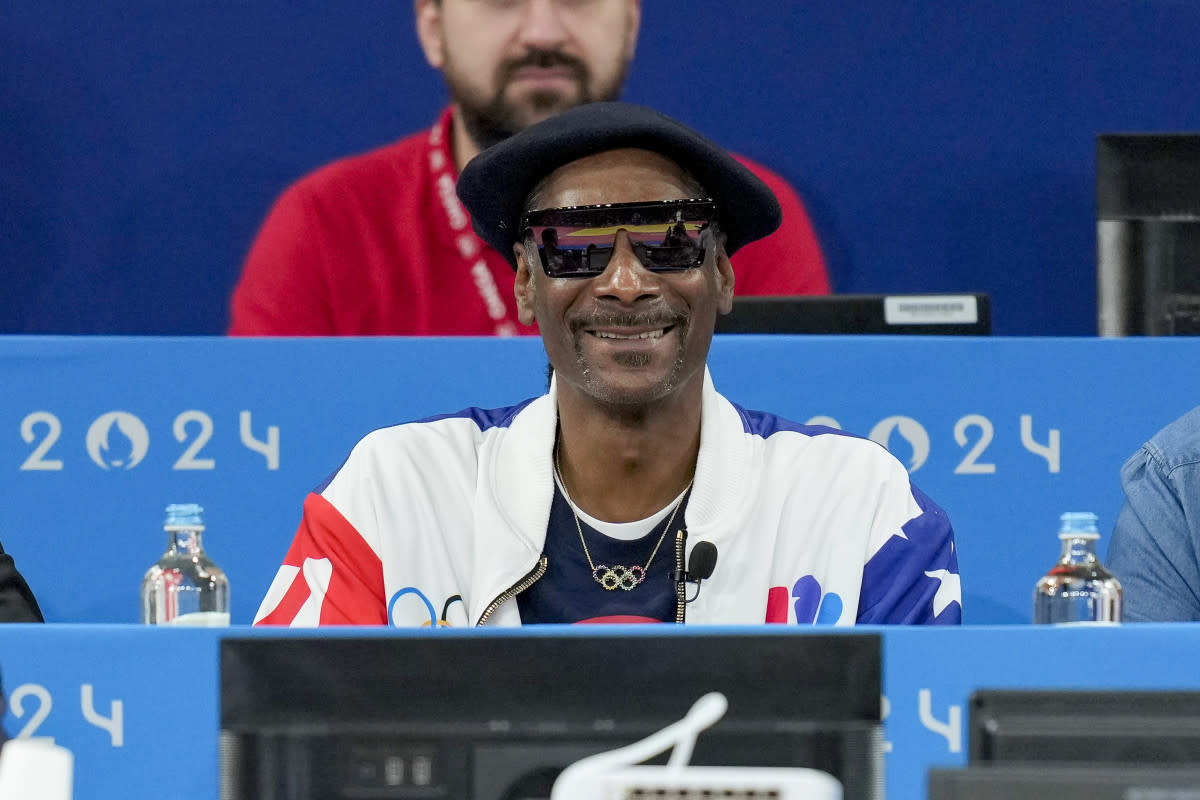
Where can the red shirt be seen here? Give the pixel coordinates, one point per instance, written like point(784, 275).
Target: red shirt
point(378, 244)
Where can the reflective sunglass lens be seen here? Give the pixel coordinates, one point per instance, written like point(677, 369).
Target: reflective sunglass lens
point(579, 242)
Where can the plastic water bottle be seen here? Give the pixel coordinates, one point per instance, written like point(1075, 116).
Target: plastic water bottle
point(1078, 588)
point(185, 587)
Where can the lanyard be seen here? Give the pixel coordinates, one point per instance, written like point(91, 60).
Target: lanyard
point(472, 253)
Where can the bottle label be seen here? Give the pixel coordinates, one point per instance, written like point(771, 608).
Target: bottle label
point(202, 619)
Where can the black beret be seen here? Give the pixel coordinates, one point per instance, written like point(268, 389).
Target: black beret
point(494, 184)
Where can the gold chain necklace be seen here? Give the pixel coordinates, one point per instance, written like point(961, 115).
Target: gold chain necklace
point(618, 576)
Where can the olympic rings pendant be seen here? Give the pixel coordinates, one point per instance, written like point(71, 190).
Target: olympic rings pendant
point(618, 576)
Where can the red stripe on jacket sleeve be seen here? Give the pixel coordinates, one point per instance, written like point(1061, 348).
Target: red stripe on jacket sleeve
point(354, 594)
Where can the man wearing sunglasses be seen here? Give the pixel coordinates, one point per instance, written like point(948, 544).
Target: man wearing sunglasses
point(378, 244)
point(590, 503)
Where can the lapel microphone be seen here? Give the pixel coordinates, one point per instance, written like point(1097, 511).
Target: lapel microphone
point(700, 566)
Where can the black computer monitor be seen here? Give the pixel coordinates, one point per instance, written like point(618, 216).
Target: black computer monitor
point(965, 314)
point(476, 715)
point(1084, 726)
point(1148, 234)
point(1064, 782)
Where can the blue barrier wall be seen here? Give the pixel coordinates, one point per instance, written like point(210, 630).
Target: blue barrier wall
point(940, 146)
point(98, 434)
point(130, 700)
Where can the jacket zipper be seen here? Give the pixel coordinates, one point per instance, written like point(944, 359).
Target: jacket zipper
point(514, 590)
point(680, 586)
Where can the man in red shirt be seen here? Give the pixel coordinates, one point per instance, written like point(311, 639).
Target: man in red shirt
point(378, 244)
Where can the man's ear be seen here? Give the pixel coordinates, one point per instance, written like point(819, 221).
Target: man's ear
point(635, 24)
point(524, 287)
point(725, 279)
point(429, 31)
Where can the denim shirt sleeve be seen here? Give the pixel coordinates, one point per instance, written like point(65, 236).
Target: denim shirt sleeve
point(1154, 543)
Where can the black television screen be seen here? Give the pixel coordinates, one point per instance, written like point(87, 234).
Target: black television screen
point(1065, 782)
point(907, 314)
point(1148, 234)
point(473, 715)
point(1084, 726)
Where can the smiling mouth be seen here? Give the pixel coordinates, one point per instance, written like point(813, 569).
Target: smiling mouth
point(657, 333)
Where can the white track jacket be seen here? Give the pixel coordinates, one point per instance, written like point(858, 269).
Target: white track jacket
point(442, 522)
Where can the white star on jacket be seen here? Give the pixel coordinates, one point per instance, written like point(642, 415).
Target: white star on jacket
point(949, 589)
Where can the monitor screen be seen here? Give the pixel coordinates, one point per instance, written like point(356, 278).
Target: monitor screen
point(479, 715)
point(1064, 782)
point(907, 314)
point(1092, 726)
point(1148, 234)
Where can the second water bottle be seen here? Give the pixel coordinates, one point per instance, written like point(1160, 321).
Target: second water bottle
point(1078, 588)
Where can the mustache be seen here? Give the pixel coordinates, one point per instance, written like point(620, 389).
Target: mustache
point(545, 59)
point(628, 319)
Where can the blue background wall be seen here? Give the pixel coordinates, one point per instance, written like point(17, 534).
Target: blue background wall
point(1004, 433)
point(940, 145)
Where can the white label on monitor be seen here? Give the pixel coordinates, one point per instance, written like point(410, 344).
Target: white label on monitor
point(934, 309)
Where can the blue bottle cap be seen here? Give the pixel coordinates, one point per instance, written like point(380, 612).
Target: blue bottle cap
point(188, 514)
point(1079, 523)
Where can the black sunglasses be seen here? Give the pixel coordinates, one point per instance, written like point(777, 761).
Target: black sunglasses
point(577, 242)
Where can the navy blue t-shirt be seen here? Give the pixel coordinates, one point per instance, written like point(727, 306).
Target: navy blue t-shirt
point(567, 593)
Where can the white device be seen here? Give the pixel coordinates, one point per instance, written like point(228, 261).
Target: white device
point(36, 768)
point(618, 775)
